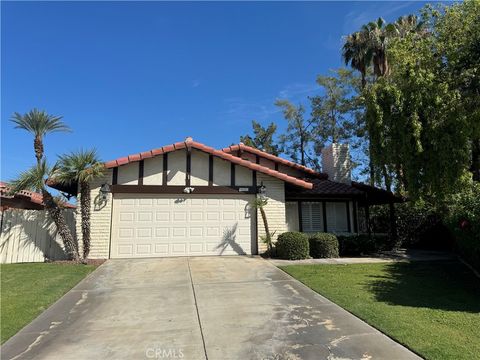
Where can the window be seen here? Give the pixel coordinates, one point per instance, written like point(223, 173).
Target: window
point(337, 217)
point(312, 217)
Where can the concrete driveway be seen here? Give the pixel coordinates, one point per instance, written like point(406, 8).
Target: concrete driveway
point(197, 308)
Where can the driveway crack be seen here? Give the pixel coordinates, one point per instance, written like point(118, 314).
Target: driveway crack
point(196, 308)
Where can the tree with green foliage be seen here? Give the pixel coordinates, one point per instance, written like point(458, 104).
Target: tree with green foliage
point(262, 138)
point(423, 119)
point(39, 123)
point(80, 168)
point(34, 179)
point(334, 111)
point(298, 138)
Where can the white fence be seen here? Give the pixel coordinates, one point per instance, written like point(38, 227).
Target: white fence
point(31, 236)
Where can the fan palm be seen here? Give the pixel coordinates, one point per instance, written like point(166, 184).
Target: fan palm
point(357, 53)
point(377, 36)
point(39, 123)
point(34, 179)
point(80, 167)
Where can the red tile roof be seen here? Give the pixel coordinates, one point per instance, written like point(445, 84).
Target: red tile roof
point(265, 155)
point(33, 197)
point(189, 143)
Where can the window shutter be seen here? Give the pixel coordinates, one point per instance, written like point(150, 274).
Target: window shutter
point(312, 217)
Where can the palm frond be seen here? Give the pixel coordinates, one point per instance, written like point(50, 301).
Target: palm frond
point(78, 166)
point(39, 122)
point(31, 179)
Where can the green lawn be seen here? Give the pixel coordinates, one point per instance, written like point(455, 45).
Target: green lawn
point(28, 289)
point(433, 308)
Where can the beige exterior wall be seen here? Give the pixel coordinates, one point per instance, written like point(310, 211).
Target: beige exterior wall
point(243, 176)
point(221, 172)
point(177, 167)
point(274, 210)
point(199, 168)
point(100, 219)
point(128, 174)
point(31, 236)
point(153, 171)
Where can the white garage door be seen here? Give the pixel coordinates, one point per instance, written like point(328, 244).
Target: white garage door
point(153, 225)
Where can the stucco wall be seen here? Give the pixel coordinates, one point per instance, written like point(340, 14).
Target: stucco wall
point(153, 171)
point(221, 172)
point(243, 176)
point(100, 219)
point(275, 208)
point(177, 167)
point(199, 168)
point(128, 174)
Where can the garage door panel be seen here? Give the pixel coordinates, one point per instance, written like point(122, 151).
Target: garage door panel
point(160, 225)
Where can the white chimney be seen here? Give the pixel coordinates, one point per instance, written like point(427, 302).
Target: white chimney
point(336, 163)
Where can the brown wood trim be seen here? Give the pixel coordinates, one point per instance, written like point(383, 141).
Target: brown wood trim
point(300, 215)
point(210, 170)
point(254, 179)
point(313, 198)
point(324, 211)
point(355, 217)
point(232, 174)
point(140, 172)
point(115, 176)
point(165, 170)
point(276, 166)
point(189, 168)
point(257, 159)
point(349, 225)
point(178, 189)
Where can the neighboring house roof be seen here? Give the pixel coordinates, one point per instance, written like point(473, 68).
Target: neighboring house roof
point(324, 187)
point(24, 199)
point(276, 159)
point(189, 143)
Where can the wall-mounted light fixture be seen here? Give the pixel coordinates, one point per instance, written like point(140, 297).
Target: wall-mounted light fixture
point(104, 191)
point(188, 190)
point(262, 191)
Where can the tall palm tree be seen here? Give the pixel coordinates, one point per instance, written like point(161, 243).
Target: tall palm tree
point(39, 123)
point(377, 36)
point(357, 53)
point(407, 24)
point(34, 179)
point(80, 167)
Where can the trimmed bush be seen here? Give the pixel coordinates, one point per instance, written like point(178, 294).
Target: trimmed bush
point(292, 246)
point(362, 244)
point(323, 245)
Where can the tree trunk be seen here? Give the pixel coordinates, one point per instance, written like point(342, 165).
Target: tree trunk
point(476, 159)
point(267, 230)
point(386, 177)
point(38, 147)
point(71, 247)
point(85, 214)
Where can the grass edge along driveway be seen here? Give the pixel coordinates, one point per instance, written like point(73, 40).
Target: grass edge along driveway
point(431, 307)
point(29, 289)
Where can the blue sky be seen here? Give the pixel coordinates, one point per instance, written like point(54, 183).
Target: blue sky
point(132, 76)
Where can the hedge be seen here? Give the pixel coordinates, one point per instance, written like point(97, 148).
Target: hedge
point(292, 246)
point(323, 245)
point(362, 244)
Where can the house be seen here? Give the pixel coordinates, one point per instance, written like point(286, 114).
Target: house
point(189, 199)
point(23, 199)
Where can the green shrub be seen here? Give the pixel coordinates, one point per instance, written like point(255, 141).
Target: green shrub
point(292, 246)
point(463, 218)
point(323, 245)
point(362, 244)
